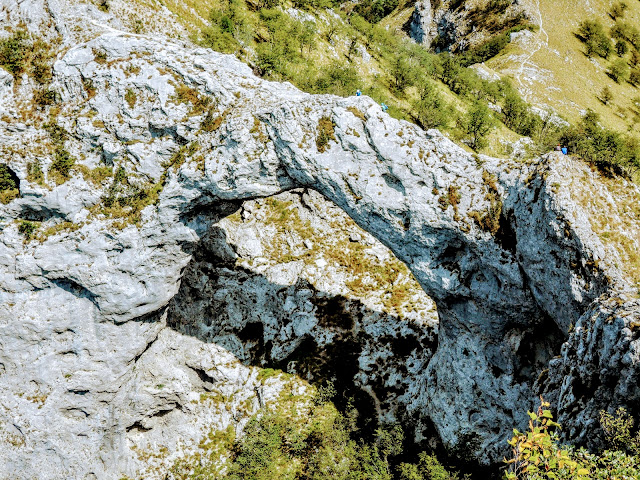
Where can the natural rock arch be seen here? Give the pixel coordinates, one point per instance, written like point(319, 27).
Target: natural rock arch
point(520, 281)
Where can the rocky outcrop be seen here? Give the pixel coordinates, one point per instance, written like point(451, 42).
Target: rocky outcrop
point(450, 25)
point(597, 368)
point(422, 27)
point(122, 322)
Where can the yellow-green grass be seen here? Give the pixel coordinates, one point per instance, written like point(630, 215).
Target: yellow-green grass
point(613, 209)
point(571, 82)
point(366, 277)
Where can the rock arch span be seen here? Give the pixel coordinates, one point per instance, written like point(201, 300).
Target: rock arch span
point(507, 292)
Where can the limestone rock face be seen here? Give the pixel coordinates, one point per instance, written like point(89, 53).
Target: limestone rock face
point(133, 321)
point(453, 25)
point(422, 27)
point(597, 368)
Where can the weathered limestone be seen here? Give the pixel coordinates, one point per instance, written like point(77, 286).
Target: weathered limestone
point(102, 348)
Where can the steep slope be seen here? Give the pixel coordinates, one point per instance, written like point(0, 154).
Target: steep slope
point(121, 299)
point(548, 64)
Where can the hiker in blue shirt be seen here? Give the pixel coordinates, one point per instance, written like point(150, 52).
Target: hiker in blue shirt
point(384, 107)
point(565, 150)
point(358, 93)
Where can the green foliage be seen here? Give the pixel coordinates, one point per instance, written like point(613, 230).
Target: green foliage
point(34, 173)
point(8, 180)
point(20, 53)
point(602, 147)
point(619, 70)
point(477, 123)
point(592, 33)
point(14, 53)
point(427, 468)
point(180, 156)
point(618, 431)
point(8, 184)
point(325, 133)
point(325, 445)
point(131, 98)
point(338, 79)
point(62, 164)
point(618, 9)
point(432, 111)
point(375, 10)
point(606, 96)
point(518, 115)
point(536, 454)
point(621, 48)
point(28, 229)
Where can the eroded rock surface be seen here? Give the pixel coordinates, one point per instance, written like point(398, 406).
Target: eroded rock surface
point(116, 321)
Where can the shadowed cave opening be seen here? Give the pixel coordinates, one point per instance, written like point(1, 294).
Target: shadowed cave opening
point(376, 359)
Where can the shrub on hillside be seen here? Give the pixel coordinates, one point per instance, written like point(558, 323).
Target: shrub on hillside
point(375, 10)
point(602, 147)
point(592, 33)
point(619, 70)
point(538, 455)
point(432, 111)
point(477, 123)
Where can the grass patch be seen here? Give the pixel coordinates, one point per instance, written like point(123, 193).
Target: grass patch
point(199, 103)
point(181, 156)
point(27, 229)
point(9, 184)
point(131, 98)
point(326, 132)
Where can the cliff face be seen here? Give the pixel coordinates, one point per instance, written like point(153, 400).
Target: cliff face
point(131, 322)
point(456, 26)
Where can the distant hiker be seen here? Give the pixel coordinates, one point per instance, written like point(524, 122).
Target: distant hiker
point(384, 107)
point(565, 150)
point(558, 148)
point(358, 93)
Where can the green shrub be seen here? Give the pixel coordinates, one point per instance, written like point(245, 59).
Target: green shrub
point(9, 184)
point(375, 10)
point(131, 98)
point(602, 147)
point(432, 111)
point(538, 455)
point(618, 9)
point(518, 115)
point(618, 431)
point(14, 53)
point(28, 229)
point(592, 33)
point(34, 173)
point(62, 164)
point(325, 133)
point(477, 123)
point(619, 70)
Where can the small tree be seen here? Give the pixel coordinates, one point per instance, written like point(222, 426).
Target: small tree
point(478, 124)
point(617, 10)
point(402, 72)
point(536, 454)
point(592, 33)
point(431, 110)
point(307, 36)
point(606, 96)
point(619, 70)
point(621, 48)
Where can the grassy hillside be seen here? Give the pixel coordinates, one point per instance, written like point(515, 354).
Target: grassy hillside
point(551, 67)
